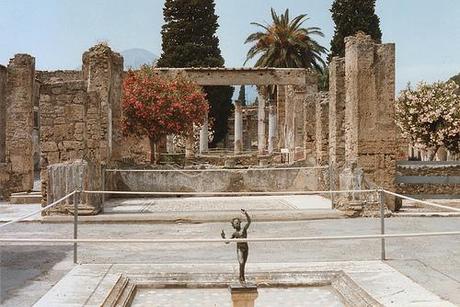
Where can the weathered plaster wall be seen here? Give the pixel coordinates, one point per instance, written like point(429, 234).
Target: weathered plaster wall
point(225, 180)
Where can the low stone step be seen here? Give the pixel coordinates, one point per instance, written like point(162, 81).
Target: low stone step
point(26, 198)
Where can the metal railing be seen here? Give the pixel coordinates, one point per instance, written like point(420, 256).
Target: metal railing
point(382, 236)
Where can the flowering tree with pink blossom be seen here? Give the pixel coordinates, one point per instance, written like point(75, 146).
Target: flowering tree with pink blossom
point(155, 107)
point(429, 116)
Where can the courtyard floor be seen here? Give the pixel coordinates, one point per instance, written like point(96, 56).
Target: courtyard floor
point(28, 271)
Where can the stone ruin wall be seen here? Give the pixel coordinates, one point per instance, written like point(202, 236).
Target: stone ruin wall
point(4, 174)
point(363, 145)
point(16, 104)
point(58, 75)
point(103, 69)
point(428, 179)
point(370, 130)
point(70, 129)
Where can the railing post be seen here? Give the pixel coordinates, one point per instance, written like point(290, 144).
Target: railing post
point(382, 222)
point(332, 183)
point(103, 186)
point(75, 225)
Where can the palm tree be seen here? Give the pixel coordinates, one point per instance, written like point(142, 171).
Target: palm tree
point(285, 43)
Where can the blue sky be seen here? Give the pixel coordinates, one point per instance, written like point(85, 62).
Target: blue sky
point(56, 32)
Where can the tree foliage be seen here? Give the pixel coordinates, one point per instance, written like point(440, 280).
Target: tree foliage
point(429, 116)
point(456, 79)
point(285, 43)
point(189, 40)
point(155, 107)
point(351, 16)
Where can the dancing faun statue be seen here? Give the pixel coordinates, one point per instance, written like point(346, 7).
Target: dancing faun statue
point(242, 248)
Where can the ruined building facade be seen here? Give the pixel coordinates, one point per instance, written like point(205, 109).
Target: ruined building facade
point(350, 127)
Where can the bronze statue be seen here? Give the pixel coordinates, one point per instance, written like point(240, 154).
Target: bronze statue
point(242, 248)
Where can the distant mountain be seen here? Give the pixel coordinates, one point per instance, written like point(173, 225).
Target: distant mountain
point(136, 57)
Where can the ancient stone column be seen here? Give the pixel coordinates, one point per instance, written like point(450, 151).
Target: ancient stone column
point(189, 147)
point(19, 121)
point(204, 135)
point(322, 129)
point(289, 122)
point(337, 115)
point(261, 120)
point(280, 113)
point(238, 143)
point(103, 70)
point(272, 133)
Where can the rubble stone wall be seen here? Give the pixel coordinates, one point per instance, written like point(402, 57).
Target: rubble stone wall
point(70, 127)
point(58, 75)
point(428, 179)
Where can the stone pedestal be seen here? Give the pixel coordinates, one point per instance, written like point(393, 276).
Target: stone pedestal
point(243, 296)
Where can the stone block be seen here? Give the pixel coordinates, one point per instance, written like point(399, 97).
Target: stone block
point(48, 146)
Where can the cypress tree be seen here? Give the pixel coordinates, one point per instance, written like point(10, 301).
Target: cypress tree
point(189, 40)
point(351, 16)
point(242, 95)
